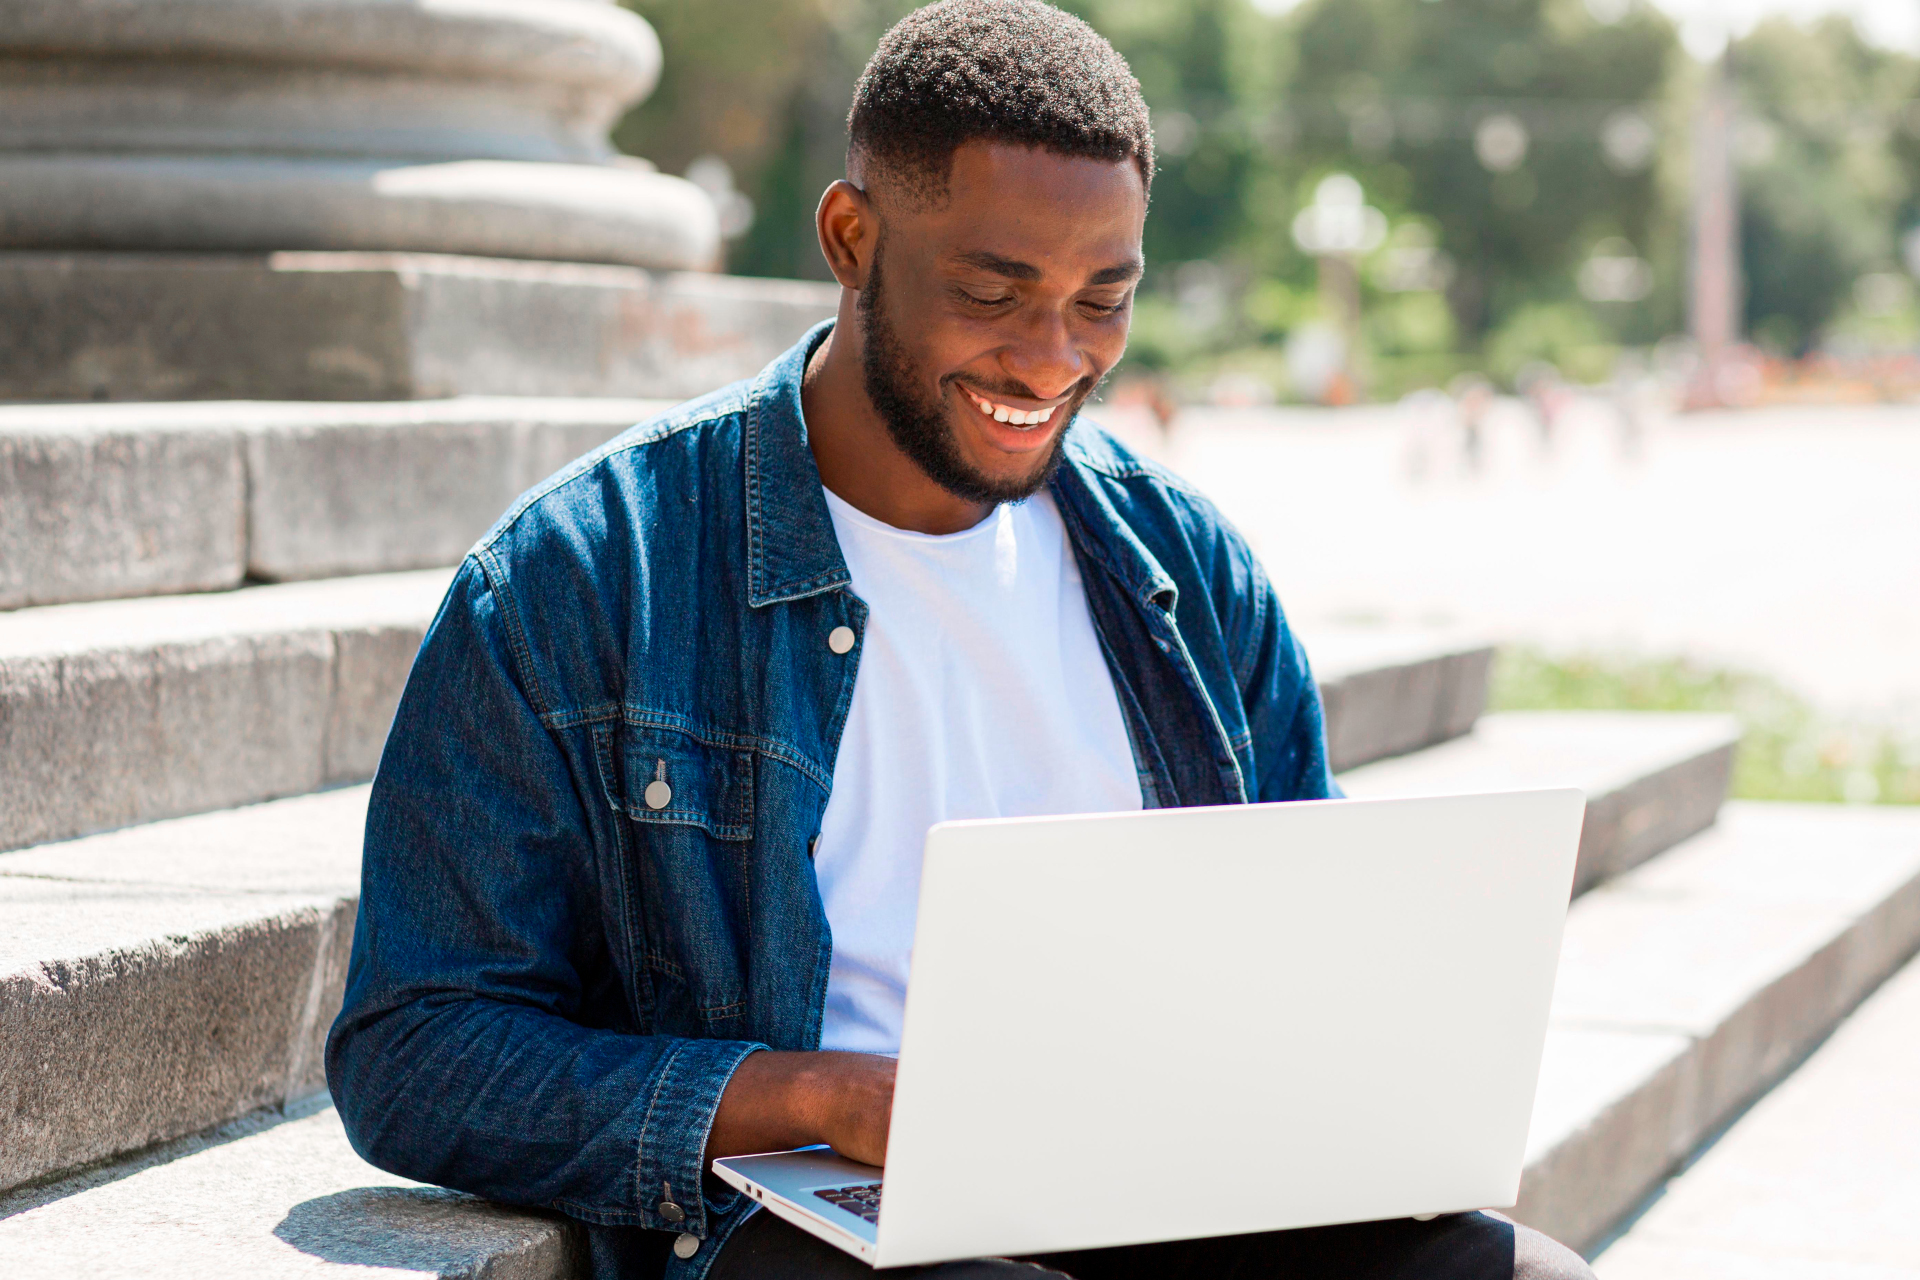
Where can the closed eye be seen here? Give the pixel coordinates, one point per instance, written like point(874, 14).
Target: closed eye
point(986, 303)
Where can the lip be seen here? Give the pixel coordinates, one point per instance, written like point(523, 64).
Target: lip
point(1009, 437)
point(1016, 413)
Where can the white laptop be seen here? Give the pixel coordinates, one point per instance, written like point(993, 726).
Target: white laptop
point(1182, 1023)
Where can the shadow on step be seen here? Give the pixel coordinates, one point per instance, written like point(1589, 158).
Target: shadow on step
point(428, 1229)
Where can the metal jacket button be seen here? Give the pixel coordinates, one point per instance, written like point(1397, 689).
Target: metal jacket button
point(686, 1246)
point(657, 796)
point(840, 640)
point(671, 1211)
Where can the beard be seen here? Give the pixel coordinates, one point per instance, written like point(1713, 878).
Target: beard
point(922, 427)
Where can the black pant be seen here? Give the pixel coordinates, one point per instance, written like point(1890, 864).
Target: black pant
point(1464, 1246)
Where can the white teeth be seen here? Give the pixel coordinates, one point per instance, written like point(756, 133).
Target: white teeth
point(1015, 417)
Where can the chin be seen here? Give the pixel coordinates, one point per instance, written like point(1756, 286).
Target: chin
point(1017, 475)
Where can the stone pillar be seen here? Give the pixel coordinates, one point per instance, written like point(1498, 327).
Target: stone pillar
point(1713, 263)
point(457, 126)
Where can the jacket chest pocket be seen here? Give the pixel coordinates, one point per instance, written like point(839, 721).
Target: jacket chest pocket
point(663, 778)
point(686, 810)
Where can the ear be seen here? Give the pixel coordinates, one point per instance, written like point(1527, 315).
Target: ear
point(849, 228)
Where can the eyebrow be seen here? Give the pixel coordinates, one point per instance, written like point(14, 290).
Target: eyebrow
point(1013, 269)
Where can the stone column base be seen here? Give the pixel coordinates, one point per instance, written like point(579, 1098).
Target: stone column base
point(625, 214)
point(380, 326)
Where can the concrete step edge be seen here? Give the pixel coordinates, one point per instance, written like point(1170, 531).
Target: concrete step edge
point(1817, 1180)
point(120, 712)
point(122, 500)
point(1801, 947)
point(1388, 692)
point(279, 1193)
point(1652, 778)
point(161, 979)
point(126, 711)
point(1692, 985)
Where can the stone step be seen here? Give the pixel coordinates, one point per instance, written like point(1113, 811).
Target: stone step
point(1690, 985)
point(100, 501)
point(115, 712)
point(1652, 779)
point(160, 979)
point(124, 711)
point(384, 326)
point(272, 1197)
point(1389, 691)
point(1820, 1181)
point(1686, 987)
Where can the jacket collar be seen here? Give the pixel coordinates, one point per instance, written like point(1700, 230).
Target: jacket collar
point(1095, 523)
point(792, 551)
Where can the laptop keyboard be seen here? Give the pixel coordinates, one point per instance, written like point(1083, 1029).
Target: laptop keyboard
point(862, 1198)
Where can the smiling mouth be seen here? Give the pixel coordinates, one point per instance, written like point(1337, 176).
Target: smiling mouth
point(1006, 413)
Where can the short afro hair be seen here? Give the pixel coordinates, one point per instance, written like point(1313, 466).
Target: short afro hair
point(1015, 71)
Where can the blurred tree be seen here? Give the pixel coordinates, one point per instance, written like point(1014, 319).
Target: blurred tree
point(1828, 158)
point(764, 85)
point(1522, 128)
point(1520, 134)
point(1211, 71)
point(730, 68)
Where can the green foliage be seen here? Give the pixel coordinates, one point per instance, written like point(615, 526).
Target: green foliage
point(764, 85)
point(1821, 186)
point(1207, 68)
point(1273, 307)
point(1404, 85)
point(1251, 110)
point(1410, 324)
point(1788, 751)
point(1159, 341)
point(1563, 334)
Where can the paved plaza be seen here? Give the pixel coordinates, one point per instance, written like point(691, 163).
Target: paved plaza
point(1785, 541)
point(1781, 540)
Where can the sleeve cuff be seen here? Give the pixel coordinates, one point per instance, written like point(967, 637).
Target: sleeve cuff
point(673, 1135)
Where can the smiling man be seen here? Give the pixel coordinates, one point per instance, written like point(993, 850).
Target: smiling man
point(642, 858)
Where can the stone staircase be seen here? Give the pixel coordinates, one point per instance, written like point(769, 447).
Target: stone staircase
point(1820, 1181)
point(213, 607)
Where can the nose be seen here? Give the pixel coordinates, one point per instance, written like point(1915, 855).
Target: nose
point(1045, 358)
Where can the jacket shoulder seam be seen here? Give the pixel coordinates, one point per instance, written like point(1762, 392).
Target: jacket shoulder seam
point(518, 647)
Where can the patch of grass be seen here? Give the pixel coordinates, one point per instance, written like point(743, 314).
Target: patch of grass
point(1788, 751)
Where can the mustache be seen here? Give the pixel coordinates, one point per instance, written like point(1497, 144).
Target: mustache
point(1079, 391)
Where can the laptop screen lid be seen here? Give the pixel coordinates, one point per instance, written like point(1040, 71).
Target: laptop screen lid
point(1192, 1022)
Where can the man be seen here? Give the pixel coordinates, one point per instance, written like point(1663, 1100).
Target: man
point(642, 856)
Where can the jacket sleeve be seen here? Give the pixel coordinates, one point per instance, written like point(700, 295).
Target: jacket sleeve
point(1286, 723)
point(457, 1058)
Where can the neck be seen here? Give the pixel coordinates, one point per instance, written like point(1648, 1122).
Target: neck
point(858, 459)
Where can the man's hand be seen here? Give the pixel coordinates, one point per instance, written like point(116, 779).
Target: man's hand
point(777, 1101)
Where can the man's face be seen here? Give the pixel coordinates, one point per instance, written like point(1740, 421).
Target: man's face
point(990, 317)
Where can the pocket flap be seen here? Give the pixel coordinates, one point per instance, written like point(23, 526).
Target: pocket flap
point(672, 777)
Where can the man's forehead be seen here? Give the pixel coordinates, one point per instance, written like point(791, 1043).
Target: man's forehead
point(993, 172)
point(1022, 212)
point(1115, 264)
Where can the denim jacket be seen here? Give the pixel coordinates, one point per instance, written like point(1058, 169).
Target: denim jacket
point(555, 972)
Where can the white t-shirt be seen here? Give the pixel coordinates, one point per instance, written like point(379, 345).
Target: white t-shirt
point(982, 693)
